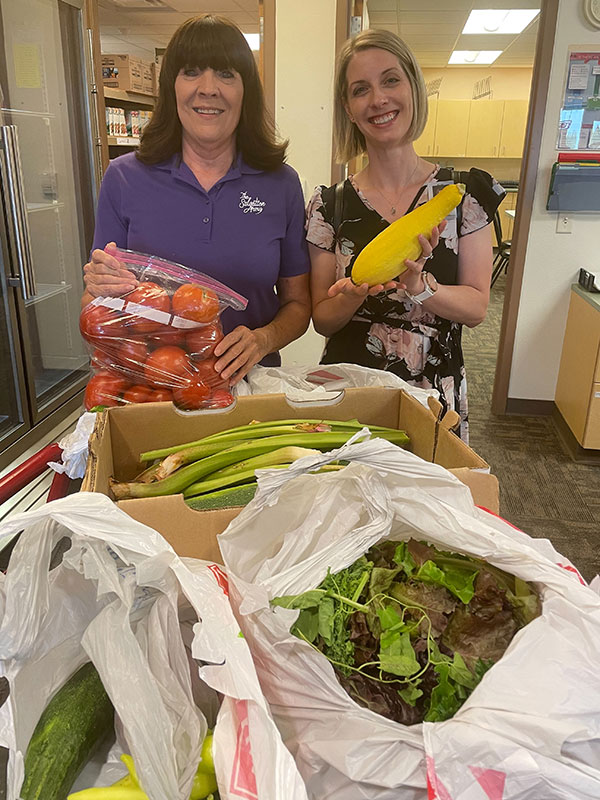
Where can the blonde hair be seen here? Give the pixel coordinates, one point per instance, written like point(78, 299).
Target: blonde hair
point(349, 141)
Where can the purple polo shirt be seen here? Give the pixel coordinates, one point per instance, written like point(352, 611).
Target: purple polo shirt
point(247, 231)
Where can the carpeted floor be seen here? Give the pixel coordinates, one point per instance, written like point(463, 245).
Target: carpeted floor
point(542, 490)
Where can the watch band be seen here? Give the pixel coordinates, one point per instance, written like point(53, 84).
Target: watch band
point(430, 287)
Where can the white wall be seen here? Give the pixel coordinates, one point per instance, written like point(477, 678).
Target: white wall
point(304, 69)
point(553, 260)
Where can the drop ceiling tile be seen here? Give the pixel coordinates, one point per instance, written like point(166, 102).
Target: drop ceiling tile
point(387, 26)
point(432, 42)
point(485, 41)
point(382, 5)
point(377, 18)
point(428, 6)
point(453, 19)
point(196, 7)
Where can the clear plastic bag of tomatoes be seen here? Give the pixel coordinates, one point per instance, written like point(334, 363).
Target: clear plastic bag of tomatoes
point(156, 343)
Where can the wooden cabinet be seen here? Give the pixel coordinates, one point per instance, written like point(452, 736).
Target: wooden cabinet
point(485, 126)
point(474, 129)
point(425, 144)
point(452, 127)
point(578, 387)
point(514, 123)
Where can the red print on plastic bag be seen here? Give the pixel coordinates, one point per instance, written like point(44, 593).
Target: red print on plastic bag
point(220, 577)
point(491, 781)
point(243, 779)
point(435, 788)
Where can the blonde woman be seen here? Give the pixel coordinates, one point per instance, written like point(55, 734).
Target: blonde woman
point(411, 327)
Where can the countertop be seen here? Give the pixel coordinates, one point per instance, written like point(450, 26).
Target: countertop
point(593, 298)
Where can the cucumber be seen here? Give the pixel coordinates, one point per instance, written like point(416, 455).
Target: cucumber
point(72, 725)
point(223, 498)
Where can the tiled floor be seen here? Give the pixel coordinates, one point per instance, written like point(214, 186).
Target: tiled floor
point(542, 490)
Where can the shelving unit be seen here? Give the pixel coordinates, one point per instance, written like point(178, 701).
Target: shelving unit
point(123, 141)
point(117, 145)
point(137, 98)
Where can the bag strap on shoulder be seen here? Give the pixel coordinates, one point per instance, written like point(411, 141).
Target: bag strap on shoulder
point(459, 177)
point(338, 207)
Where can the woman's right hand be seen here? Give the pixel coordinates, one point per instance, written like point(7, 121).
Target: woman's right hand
point(355, 291)
point(105, 276)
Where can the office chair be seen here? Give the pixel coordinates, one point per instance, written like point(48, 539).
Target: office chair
point(503, 254)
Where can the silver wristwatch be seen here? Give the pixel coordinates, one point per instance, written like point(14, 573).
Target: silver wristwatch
point(430, 288)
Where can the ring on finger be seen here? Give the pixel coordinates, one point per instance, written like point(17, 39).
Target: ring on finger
point(426, 258)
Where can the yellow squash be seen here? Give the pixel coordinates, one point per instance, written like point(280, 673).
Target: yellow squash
point(383, 258)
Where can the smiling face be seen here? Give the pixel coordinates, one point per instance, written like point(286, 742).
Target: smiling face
point(379, 97)
point(209, 105)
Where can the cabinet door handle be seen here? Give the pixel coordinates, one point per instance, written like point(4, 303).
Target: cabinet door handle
point(13, 193)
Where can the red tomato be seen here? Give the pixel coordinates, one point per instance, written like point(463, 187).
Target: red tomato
point(132, 355)
point(207, 373)
point(168, 366)
point(104, 389)
point(101, 323)
point(153, 296)
point(105, 359)
point(201, 342)
point(192, 301)
point(137, 394)
point(165, 335)
point(161, 396)
point(220, 398)
point(192, 395)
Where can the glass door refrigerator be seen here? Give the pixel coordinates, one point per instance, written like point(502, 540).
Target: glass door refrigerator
point(48, 180)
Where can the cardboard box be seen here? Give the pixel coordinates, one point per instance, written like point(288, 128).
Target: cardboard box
point(148, 85)
point(122, 433)
point(122, 71)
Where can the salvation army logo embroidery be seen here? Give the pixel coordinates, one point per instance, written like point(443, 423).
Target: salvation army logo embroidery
point(250, 206)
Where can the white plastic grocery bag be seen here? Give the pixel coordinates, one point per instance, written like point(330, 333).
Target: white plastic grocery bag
point(113, 599)
point(318, 383)
point(530, 729)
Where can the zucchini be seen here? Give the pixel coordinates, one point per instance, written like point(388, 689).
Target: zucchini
point(230, 497)
point(72, 725)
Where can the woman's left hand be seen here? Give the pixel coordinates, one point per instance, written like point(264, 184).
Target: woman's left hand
point(239, 351)
point(411, 280)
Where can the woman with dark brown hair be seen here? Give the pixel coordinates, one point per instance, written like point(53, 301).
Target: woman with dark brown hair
point(209, 188)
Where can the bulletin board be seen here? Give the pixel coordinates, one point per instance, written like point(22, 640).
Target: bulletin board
point(579, 126)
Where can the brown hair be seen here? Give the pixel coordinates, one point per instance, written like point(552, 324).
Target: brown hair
point(215, 42)
point(349, 141)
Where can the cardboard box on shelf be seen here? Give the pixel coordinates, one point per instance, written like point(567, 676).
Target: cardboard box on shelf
point(122, 71)
point(122, 433)
point(155, 76)
point(148, 86)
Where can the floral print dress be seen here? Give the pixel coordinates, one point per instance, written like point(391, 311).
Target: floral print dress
point(389, 331)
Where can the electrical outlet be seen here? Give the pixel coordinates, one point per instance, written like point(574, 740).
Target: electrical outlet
point(564, 224)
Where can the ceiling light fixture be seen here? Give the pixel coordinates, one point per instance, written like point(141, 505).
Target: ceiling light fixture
point(474, 56)
point(505, 20)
